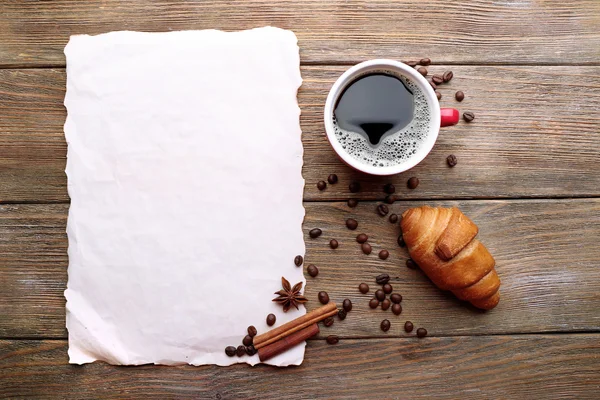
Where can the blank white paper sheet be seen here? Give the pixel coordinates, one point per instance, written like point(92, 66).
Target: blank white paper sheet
point(184, 172)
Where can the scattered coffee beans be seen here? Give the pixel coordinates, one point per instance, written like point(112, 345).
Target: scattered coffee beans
point(385, 325)
point(437, 79)
point(351, 224)
point(413, 183)
point(382, 210)
point(459, 96)
point(411, 264)
point(373, 303)
point(333, 244)
point(422, 70)
point(250, 350)
point(328, 321)
point(397, 309)
point(380, 294)
point(352, 203)
point(298, 260)
point(333, 179)
point(438, 95)
point(384, 254)
point(312, 270)
point(433, 85)
point(332, 339)
point(394, 218)
point(425, 61)
point(347, 304)
point(387, 288)
point(448, 75)
point(240, 351)
point(396, 298)
point(382, 279)
point(342, 314)
point(271, 318)
point(354, 187)
point(421, 332)
point(366, 248)
point(390, 199)
point(230, 351)
point(389, 188)
point(363, 288)
point(385, 304)
point(321, 185)
point(408, 326)
point(412, 63)
point(247, 340)
point(468, 116)
point(401, 241)
point(252, 331)
point(361, 238)
point(451, 160)
point(323, 297)
point(315, 233)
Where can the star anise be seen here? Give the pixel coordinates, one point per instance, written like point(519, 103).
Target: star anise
point(290, 296)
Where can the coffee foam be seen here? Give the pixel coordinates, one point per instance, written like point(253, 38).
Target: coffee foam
point(396, 148)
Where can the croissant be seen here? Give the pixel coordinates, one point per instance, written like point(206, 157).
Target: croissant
point(442, 242)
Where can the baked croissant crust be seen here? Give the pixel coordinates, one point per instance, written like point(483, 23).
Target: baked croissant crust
point(442, 242)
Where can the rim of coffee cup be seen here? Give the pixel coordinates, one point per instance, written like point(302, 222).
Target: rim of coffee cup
point(382, 65)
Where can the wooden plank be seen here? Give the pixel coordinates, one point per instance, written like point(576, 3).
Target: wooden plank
point(546, 252)
point(533, 136)
point(35, 33)
point(491, 367)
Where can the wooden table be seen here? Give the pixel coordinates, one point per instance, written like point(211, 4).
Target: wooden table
point(528, 174)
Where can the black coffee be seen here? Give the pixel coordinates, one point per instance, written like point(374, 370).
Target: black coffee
point(374, 106)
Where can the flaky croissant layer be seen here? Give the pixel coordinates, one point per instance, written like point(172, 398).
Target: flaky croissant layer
point(442, 242)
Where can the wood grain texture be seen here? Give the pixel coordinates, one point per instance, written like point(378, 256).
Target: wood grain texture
point(460, 31)
point(546, 253)
point(533, 136)
point(497, 367)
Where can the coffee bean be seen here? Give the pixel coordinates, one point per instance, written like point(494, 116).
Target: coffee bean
point(389, 188)
point(240, 351)
point(352, 203)
point(247, 340)
point(363, 288)
point(393, 218)
point(323, 297)
point(366, 248)
point(421, 332)
point(373, 303)
point(230, 351)
point(332, 339)
point(408, 326)
point(425, 61)
point(387, 288)
point(333, 244)
point(438, 95)
point(384, 254)
point(333, 179)
point(437, 79)
point(271, 318)
point(354, 187)
point(382, 210)
point(448, 75)
point(385, 325)
point(390, 199)
point(397, 309)
point(412, 63)
point(385, 304)
point(321, 185)
point(451, 160)
point(342, 314)
point(251, 350)
point(396, 298)
point(411, 264)
point(312, 270)
point(459, 96)
point(315, 233)
point(252, 331)
point(468, 116)
point(401, 241)
point(298, 260)
point(382, 279)
point(413, 183)
point(422, 71)
point(361, 238)
point(380, 294)
point(351, 224)
point(328, 321)
point(433, 85)
point(347, 304)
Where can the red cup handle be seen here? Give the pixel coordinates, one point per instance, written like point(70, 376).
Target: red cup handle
point(450, 116)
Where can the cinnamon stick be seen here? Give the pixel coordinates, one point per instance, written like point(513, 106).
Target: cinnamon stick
point(287, 343)
point(295, 325)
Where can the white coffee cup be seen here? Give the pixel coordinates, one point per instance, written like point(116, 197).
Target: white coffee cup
point(439, 117)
